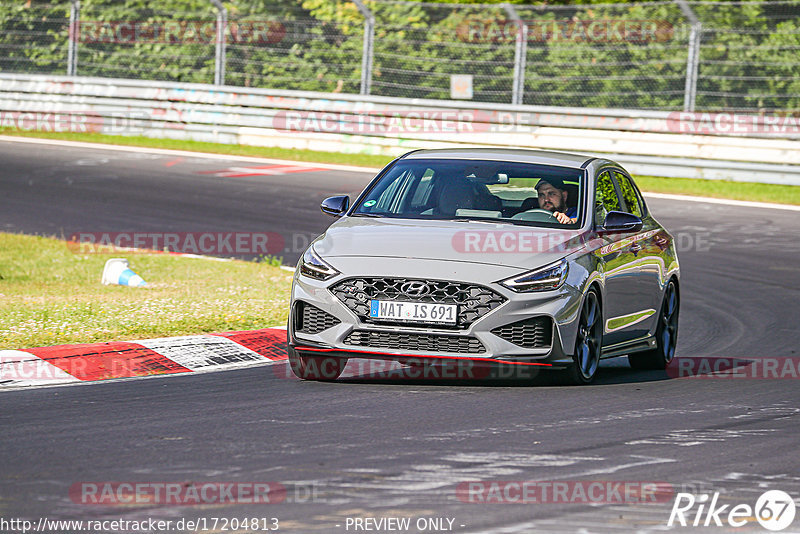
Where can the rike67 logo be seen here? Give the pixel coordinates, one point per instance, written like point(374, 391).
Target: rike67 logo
point(774, 510)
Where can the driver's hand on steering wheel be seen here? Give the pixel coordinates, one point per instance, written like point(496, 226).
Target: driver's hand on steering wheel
point(562, 218)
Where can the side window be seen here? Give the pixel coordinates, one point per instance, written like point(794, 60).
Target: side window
point(630, 195)
point(606, 198)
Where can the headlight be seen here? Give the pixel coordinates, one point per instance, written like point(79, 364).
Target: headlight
point(542, 279)
point(315, 267)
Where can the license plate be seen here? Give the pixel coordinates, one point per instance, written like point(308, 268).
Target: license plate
point(418, 312)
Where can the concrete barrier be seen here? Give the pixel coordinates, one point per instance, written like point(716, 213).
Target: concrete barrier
point(676, 144)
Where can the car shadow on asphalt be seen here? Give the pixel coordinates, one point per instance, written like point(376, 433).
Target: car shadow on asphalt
point(513, 376)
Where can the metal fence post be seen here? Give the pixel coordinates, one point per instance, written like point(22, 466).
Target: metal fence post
point(693, 67)
point(367, 52)
point(520, 53)
point(692, 56)
point(74, 35)
point(219, 53)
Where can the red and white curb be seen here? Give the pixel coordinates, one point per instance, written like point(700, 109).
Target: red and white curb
point(68, 364)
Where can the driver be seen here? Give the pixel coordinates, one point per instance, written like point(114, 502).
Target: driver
point(553, 198)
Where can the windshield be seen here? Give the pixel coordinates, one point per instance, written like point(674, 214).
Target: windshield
point(441, 189)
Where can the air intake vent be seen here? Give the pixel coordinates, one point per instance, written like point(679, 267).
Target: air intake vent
point(311, 320)
point(414, 342)
point(533, 333)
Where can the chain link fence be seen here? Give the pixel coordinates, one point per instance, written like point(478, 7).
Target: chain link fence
point(749, 55)
point(33, 37)
point(420, 47)
point(667, 55)
point(145, 43)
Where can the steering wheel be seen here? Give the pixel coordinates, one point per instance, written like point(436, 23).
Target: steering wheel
point(536, 215)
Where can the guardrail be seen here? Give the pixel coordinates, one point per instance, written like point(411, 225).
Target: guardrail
point(675, 144)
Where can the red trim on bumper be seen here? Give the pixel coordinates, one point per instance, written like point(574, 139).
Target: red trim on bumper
point(419, 357)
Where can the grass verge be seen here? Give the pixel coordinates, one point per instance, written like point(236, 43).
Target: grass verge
point(51, 296)
point(782, 194)
point(753, 192)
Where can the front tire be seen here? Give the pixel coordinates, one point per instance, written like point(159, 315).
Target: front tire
point(666, 334)
point(588, 343)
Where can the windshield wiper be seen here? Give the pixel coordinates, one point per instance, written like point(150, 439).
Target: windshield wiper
point(375, 215)
point(488, 221)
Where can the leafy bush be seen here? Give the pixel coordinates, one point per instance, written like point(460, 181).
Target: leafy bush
point(748, 53)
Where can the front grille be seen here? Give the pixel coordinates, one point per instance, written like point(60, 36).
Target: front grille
point(533, 333)
point(312, 320)
point(406, 341)
point(473, 301)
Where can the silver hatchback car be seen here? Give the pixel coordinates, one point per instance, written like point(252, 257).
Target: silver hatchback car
point(489, 256)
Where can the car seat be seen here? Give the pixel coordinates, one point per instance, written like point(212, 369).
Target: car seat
point(455, 195)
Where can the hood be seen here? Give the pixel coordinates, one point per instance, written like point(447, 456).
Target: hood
point(524, 247)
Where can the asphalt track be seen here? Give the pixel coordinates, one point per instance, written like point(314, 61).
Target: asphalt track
point(375, 446)
point(61, 191)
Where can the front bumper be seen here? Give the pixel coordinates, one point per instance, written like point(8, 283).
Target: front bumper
point(560, 306)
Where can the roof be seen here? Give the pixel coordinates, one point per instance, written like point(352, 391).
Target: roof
point(543, 157)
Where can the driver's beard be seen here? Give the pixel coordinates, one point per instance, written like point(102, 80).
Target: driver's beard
point(557, 206)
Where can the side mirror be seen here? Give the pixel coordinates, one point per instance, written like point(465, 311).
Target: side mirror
point(618, 222)
point(335, 206)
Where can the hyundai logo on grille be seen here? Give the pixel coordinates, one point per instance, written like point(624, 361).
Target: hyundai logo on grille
point(415, 289)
